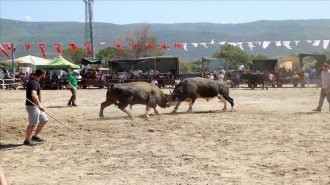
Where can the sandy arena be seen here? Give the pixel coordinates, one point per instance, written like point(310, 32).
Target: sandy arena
point(273, 138)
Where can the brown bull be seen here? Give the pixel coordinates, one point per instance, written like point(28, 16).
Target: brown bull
point(124, 94)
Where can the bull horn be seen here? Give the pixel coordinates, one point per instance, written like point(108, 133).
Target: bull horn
point(171, 92)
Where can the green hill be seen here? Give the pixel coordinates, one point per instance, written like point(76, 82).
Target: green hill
point(20, 32)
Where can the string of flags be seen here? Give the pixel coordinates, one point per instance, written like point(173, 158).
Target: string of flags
point(184, 46)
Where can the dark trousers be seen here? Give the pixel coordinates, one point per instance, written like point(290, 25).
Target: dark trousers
point(323, 95)
point(73, 96)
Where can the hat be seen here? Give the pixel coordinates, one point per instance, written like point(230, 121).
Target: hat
point(325, 64)
point(75, 71)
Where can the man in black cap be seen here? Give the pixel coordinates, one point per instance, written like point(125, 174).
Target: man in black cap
point(325, 87)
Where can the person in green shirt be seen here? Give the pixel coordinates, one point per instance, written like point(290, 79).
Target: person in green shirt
point(73, 85)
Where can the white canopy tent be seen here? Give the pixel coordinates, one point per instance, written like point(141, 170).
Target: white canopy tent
point(29, 59)
point(27, 63)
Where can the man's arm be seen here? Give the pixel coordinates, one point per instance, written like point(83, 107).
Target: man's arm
point(36, 100)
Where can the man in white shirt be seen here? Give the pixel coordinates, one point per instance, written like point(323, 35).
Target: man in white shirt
point(325, 87)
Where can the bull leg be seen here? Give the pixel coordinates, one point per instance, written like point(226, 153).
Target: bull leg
point(224, 103)
point(127, 112)
point(176, 107)
point(103, 106)
point(190, 105)
point(231, 101)
point(147, 112)
point(156, 111)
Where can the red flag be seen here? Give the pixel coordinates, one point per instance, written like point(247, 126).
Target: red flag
point(58, 48)
point(27, 46)
point(4, 51)
point(150, 46)
point(165, 46)
point(177, 45)
point(73, 47)
point(133, 45)
point(88, 47)
point(42, 48)
point(119, 47)
point(9, 47)
point(102, 43)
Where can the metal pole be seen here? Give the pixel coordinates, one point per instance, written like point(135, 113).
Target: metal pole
point(13, 60)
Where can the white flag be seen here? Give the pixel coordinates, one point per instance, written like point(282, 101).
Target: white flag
point(325, 44)
point(265, 44)
point(278, 43)
point(233, 43)
point(185, 46)
point(308, 41)
point(316, 43)
point(240, 45)
point(204, 44)
point(194, 44)
point(212, 42)
point(296, 42)
point(287, 44)
point(251, 46)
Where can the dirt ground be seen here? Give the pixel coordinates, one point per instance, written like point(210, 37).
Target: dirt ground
point(272, 138)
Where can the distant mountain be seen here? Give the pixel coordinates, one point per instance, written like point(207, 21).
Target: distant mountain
point(20, 32)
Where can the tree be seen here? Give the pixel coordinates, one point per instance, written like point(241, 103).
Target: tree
point(185, 66)
point(141, 36)
point(259, 57)
point(74, 56)
point(109, 53)
point(233, 55)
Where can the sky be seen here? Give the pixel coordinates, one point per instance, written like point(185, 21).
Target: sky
point(155, 11)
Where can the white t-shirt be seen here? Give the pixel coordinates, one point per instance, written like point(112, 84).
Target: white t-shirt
point(325, 76)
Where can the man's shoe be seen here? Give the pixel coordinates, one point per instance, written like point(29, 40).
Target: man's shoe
point(28, 143)
point(74, 105)
point(69, 104)
point(37, 139)
point(317, 110)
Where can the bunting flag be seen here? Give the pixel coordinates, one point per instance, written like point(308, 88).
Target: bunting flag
point(9, 47)
point(204, 44)
point(251, 46)
point(177, 45)
point(119, 47)
point(27, 46)
point(194, 44)
point(134, 45)
point(150, 46)
point(316, 43)
point(240, 45)
point(325, 44)
point(185, 46)
point(165, 46)
point(88, 47)
point(42, 48)
point(4, 51)
point(287, 44)
point(58, 48)
point(278, 43)
point(222, 42)
point(265, 44)
point(74, 47)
